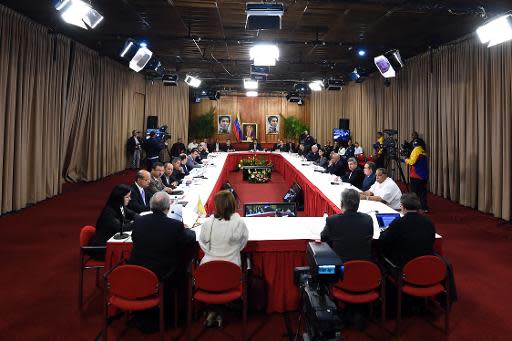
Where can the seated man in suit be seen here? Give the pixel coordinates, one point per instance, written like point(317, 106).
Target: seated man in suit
point(255, 146)
point(313, 154)
point(168, 178)
point(139, 192)
point(350, 233)
point(384, 190)
point(355, 175)
point(155, 182)
point(191, 160)
point(215, 147)
point(184, 160)
point(289, 147)
point(227, 147)
point(177, 171)
point(301, 150)
point(369, 176)
point(158, 239)
point(278, 146)
point(410, 236)
point(336, 165)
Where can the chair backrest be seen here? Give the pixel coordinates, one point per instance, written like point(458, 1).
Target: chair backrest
point(132, 282)
point(86, 234)
point(360, 276)
point(218, 276)
point(424, 271)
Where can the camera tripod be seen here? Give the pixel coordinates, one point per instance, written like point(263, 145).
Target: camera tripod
point(392, 164)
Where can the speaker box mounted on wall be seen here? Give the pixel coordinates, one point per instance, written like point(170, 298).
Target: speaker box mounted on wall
point(152, 122)
point(344, 124)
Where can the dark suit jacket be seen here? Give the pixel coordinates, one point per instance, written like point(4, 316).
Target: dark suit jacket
point(408, 237)
point(157, 241)
point(136, 204)
point(177, 149)
point(350, 235)
point(110, 222)
point(312, 156)
point(355, 178)
point(338, 168)
point(281, 147)
point(131, 145)
point(289, 147)
point(174, 177)
point(258, 146)
point(225, 148)
point(153, 147)
point(368, 181)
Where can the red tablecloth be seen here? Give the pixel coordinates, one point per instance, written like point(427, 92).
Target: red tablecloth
point(273, 260)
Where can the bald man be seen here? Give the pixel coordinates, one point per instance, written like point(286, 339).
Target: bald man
point(140, 193)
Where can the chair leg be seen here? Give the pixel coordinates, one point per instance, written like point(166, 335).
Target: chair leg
point(97, 277)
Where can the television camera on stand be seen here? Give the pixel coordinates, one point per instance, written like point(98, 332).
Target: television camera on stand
point(318, 311)
point(392, 153)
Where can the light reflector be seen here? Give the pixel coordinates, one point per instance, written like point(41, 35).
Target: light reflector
point(78, 13)
point(264, 54)
point(192, 81)
point(140, 59)
point(384, 66)
point(496, 31)
point(250, 84)
point(316, 85)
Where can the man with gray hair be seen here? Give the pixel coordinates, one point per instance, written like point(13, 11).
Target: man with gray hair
point(349, 233)
point(384, 190)
point(355, 176)
point(158, 240)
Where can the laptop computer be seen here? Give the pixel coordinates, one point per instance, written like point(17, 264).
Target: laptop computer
point(385, 219)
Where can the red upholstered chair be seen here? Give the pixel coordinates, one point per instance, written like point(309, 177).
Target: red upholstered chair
point(361, 159)
point(86, 262)
point(133, 288)
point(362, 284)
point(425, 277)
point(218, 282)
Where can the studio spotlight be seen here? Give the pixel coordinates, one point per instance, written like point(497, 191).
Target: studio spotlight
point(316, 85)
point(78, 13)
point(170, 80)
point(251, 93)
point(389, 63)
point(140, 59)
point(250, 84)
point(264, 54)
point(361, 53)
point(355, 75)
point(293, 97)
point(192, 81)
point(335, 84)
point(496, 31)
point(214, 95)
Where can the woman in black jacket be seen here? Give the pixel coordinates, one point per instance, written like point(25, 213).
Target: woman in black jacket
point(114, 217)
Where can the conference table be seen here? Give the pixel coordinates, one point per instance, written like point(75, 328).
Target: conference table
point(276, 244)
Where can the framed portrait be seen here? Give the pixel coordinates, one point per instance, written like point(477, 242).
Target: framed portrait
point(224, 124)
point(249, 132)
point(272, 124)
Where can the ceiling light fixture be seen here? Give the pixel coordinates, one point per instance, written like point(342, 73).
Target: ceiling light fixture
point(264, 54)
point(78, 13)
point(127, 47)
point(361, 53)
point(250, 84)
point(316, 85)
point(140, 59)
point(496, 31)
point(192, 81)
point(251, 93)
point(389, 63)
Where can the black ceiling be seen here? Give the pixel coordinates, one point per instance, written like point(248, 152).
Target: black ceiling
point(318, 39)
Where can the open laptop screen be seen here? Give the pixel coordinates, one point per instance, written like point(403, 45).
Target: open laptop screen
point(384, 219)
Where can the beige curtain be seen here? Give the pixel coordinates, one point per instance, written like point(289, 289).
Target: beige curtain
point(66, 113)
point(459, 98)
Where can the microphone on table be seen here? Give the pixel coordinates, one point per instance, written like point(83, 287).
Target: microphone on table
point(121, 235)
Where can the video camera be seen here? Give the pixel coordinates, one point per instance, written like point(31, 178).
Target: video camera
point(391, 148)
point(161, 134)
point(319, 311)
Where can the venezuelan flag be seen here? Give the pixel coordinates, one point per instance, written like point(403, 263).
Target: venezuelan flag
point(237, 128)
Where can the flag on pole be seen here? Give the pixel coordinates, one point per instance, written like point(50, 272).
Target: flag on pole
point(237, 128)
point(200, 210)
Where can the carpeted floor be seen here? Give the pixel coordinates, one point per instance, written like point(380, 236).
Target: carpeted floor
point(39, 257)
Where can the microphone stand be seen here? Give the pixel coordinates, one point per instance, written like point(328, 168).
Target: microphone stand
point(121, 235)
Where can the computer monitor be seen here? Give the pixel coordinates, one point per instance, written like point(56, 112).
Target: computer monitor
point(340, 134)
point(385, 219)
point(270, 209)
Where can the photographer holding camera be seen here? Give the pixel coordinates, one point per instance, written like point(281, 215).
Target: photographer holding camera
point(418, 170)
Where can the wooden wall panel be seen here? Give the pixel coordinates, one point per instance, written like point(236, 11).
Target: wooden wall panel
point(253, 110)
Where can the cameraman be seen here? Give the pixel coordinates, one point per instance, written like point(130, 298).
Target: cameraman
point(379, 150)
point(418, 171)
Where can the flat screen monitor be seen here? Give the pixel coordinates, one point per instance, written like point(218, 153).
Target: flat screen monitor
point(270, 209)
point(384, 219)
point(340, 134)
point(159, 133)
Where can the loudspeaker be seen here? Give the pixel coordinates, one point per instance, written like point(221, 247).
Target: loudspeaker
point(344, 123)
point(152, 122)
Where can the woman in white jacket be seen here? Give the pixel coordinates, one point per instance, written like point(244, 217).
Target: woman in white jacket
point(222, 237)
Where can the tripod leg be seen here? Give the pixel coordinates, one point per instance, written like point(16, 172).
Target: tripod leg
point(402, 176)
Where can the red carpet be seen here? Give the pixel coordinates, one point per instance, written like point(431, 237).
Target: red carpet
point(39, 257)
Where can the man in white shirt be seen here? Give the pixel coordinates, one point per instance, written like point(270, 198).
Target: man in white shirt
point(384, 190)
point(358, 149)
point(192, 145)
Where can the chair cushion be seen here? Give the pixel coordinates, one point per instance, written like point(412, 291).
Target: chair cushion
point(423, 291)
point(133, 305)
point(217, 297)
point(357, 298)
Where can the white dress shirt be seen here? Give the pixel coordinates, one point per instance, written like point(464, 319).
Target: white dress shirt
point(358, 150)
point(388, 190)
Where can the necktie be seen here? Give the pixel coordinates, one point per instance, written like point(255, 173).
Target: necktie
point(143, 196)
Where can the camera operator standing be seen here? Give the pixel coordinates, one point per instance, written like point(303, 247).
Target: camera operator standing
point(418, 170)
point(379, 150)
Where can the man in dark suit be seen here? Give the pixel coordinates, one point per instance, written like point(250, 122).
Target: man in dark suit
point(255, 146)
point(134, 147)
point(178, 148)
point(157, 239)
point(279, 146)
point(140, 194)
point(369, 176)
point(289, 147)
point(410, 236)
point(153, 148)
point(227, 147)
point(336, 165)
point(313, 154)
point(168, 177)
point(355, 175)
point(350, 233)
